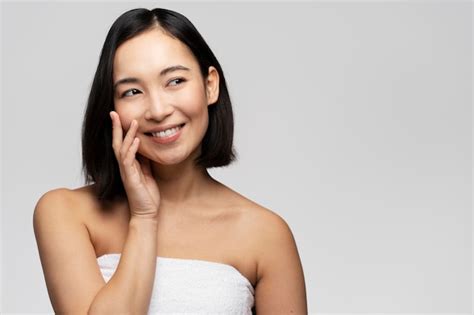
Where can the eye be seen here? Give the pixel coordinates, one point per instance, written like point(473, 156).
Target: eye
point(176, 80)
point(130, 92)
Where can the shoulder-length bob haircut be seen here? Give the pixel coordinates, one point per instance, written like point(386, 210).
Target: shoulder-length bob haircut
point(99, 163)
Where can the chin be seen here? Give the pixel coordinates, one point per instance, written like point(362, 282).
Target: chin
point(169, 159)
point(172, 157)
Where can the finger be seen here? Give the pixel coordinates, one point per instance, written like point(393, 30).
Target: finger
point(130, 156)
point(145, 164)
point(117, 134)
point(129, 137)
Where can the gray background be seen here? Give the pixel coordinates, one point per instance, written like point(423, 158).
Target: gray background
point(353, 122)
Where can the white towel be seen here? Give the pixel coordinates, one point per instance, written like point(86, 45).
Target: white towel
point(190, 286)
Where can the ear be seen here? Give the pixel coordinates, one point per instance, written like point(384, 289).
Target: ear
point(212, 86)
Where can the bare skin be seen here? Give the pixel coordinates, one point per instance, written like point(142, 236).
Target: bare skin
point(172, 207)
point(219, 230)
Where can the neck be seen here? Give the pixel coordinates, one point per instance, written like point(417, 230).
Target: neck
point(181, 183)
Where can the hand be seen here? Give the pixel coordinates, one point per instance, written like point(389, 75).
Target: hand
point(140, 185)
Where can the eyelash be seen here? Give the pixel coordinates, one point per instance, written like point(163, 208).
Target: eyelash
point(131, 90)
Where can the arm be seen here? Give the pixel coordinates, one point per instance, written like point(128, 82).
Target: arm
point(129, 290)
point(281, 286)
point(73, 279)
point(75, 284)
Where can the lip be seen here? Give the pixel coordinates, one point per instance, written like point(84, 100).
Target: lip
point(169, 139)
point(163, 128)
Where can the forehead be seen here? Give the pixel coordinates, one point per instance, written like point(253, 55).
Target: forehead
point(150, 52)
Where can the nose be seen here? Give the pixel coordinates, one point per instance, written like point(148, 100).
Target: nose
point(158, 108)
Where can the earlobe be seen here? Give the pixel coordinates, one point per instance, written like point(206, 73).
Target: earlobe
point(212, 85)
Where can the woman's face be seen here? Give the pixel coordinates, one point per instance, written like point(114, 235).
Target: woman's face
point(157, 82)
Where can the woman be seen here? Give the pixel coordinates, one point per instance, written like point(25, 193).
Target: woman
point(154, 232)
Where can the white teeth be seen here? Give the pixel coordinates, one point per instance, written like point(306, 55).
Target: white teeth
point(166, 133)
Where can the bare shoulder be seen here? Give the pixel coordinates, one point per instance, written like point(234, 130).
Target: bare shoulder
point(66, 195)
point(57, 207)
point(265, 227)
point(73, 203)
point(270, 233)
point(72, 280)
point(280, 278)
point(261, 221)
point(265, 224)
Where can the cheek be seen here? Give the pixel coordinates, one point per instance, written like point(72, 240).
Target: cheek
point(126, 116)
point(197, 110)
point(193, 102)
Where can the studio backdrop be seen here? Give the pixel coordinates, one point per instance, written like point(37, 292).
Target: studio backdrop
point(352, 122)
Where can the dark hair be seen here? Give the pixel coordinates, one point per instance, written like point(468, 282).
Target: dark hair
point(98, 160)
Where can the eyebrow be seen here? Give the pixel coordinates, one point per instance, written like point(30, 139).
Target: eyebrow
point(162, 73)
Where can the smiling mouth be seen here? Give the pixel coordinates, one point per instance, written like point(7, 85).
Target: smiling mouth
point(165, 133)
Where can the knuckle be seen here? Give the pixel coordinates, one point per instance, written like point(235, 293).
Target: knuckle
point(124, 162)
point(122, 152)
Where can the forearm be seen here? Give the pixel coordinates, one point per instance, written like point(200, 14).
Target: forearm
point(129, 289)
